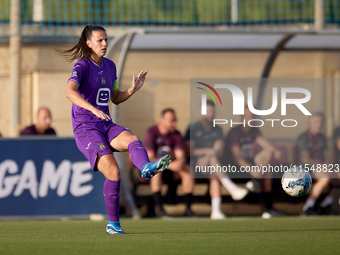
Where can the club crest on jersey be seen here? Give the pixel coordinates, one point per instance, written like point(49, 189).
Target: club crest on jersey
point(103, 80)
point(101, 146)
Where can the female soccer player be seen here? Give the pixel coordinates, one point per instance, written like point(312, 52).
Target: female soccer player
point(92, 85)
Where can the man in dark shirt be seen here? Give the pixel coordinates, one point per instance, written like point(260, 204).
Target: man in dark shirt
point(206, 147)
point(163, 139)
point(311, 149)
point(336, 139)
point(240, 141)
point(42, 127)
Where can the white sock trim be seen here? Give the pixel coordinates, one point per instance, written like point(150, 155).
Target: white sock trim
point(216, 204)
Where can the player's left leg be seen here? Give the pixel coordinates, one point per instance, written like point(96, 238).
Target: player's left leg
point(123, 140)
point(107, 165)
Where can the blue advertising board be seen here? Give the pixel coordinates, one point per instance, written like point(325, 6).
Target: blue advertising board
point(45, 177)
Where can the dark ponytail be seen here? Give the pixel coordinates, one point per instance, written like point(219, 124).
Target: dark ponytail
point(80, 50)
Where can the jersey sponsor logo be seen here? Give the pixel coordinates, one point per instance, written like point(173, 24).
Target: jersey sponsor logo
point(103, 97)
point(101, 146)
point(100, 72)
point(75, 74)
point(103, 80)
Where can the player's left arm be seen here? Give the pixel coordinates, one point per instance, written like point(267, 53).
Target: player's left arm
point(118, 96)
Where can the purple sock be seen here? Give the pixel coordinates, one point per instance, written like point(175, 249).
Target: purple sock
point(111, 195)
point(138, 154)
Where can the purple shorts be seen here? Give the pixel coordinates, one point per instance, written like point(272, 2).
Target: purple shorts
point(93, 138)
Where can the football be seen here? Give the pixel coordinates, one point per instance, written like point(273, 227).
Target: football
point(296, 182)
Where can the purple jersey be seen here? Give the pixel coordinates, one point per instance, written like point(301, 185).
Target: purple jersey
point(236, 137)
point(162, 144)
point(95, 85)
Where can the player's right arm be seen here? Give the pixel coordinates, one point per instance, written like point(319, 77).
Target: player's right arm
point(73, 95)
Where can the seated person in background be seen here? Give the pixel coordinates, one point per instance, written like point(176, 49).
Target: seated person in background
point(311, 148)
point(207, 146)
point(42, 126)
point(163, 139)
point(240, 141)
point(336, 140)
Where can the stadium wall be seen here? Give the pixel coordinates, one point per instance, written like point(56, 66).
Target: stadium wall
point(44, 77)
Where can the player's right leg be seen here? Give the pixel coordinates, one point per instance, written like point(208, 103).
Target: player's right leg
point(122, 139)
point(92, 143)
point(152, 168)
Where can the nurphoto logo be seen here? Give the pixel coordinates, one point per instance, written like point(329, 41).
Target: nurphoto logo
point(238, 103)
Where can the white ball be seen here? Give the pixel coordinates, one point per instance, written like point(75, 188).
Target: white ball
point(296, 182)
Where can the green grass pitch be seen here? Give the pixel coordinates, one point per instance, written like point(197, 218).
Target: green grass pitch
point(237, 235)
